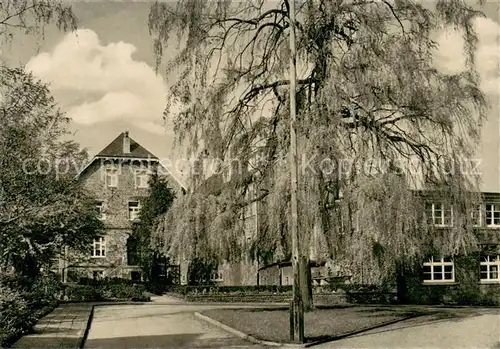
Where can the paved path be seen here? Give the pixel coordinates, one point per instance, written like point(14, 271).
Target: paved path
point(167, 323)
point(475, 332)
point(62, 328)
point(170, 323)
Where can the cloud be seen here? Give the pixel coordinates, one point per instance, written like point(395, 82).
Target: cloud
point(98, 83)
point(449, 57)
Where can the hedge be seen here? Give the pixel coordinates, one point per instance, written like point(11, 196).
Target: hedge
point(231, 290)
point(106, 290)
point(272, 289)
point(328, 294)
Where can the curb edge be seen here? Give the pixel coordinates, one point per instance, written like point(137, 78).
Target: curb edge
point(83, 339)
point(244, 335)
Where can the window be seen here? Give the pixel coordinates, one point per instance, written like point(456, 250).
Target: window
point(111, 177)
point(135, 276)
point(439, 214)
point(476, 216)
point(489, 268)
point(141, 179)
point(98, 274)
point(439, 270)
point(99, 247)
point(99, 207)
point(132, 251)
point(493, 215)
point(217, 276)
point(133, 210)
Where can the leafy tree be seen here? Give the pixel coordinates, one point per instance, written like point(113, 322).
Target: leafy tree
point(31, 16)
point(41, 209)
point(368, 92)
point(159, 201)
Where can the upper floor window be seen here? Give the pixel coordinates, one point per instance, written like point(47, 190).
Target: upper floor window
point(439, 270)
point(492, 215)
point(439, 214)
point(99, 207)
point(490, 265)
point(141, 179)
point(476, 216)
point(134, 208)
point(111, 177)
point(99, 247)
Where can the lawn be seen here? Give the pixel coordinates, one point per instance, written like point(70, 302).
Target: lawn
point(273, 324)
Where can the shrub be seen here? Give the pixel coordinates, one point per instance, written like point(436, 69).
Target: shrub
point(23, 301)
point(15, 315)
point(123, 291)
point(85, 293)
point(112, 289)
point(231, 290)
point(45, 291)
point(16, 282)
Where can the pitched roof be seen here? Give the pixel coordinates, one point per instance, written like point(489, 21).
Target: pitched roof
point(115, 149)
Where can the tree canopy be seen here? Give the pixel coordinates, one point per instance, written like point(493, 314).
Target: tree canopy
point(371, 109)
point(31, 17)
point(159, 201)
point(42, 207)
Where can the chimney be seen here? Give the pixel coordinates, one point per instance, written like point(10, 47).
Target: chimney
point(126, 143)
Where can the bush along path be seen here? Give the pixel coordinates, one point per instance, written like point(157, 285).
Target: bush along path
point(25, 303)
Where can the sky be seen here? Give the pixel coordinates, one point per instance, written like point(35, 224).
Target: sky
point(103, 76)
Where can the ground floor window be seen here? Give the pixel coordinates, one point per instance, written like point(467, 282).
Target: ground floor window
point(99, 247)
point(135, 276)
point(490, 265)
point(439, 270)
point(216, 276)
point(132, 251)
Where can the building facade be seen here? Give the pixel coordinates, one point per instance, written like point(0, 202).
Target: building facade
point(472, 278)
point(117, 177)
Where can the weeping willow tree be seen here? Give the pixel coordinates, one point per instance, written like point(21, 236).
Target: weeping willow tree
point(370, 105)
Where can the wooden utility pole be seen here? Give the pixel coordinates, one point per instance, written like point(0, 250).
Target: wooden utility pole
point(297, 308)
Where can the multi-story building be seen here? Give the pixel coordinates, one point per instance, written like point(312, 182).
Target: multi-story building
point(118, 178)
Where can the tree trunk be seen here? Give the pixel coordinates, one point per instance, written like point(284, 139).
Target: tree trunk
point(306, 284)
point(402, 287)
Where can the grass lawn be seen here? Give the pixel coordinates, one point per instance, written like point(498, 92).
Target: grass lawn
point(273, 324)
